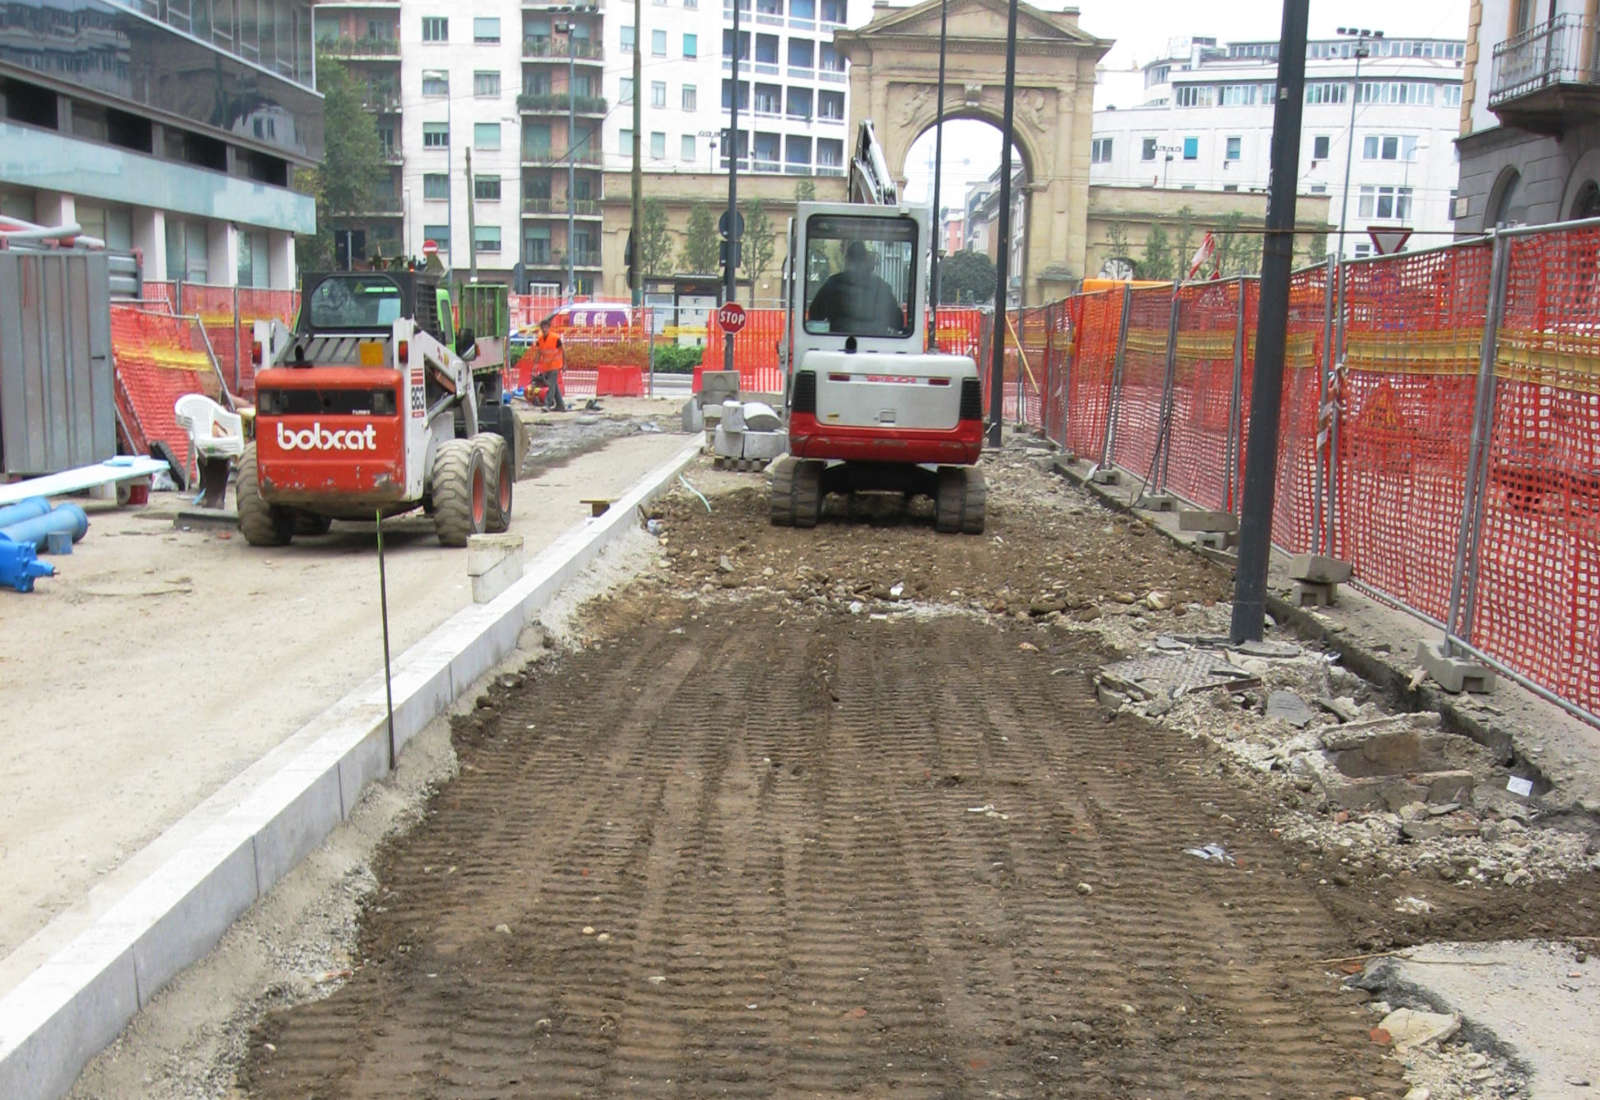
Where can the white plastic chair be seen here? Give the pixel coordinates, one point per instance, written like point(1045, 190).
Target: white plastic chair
point(216, 437)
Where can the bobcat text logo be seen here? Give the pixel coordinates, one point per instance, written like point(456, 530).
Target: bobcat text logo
point(318, 438)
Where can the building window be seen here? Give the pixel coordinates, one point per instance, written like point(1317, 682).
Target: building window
point(435, 28)
point(486, 188)
point(658, 93)
point(1327, 92)
point(690, 96)
point(486, 30)
point(435, 84)
point(625, 140)
point(830, 105)
point(435, 185)
point(1390, 147)
point(658, 145)
point(1237, 95)
point(1319, 189)
point(691, 45)
point(439, 235)
point(1196, 95)
point(625, 91)
point(435, 135)
point(486, 135)
point(1147, 150)
point(486, 84)
point(1100, 151)
point(687, 152)
point(1235, 148)
point(658, 43)
point(486, 238)
point(1319, 147)
point(627, 38)
point(1191, 148)
point(1384, 202)
point(536, 245)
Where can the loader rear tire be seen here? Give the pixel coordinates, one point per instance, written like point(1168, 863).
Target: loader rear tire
point(781, 496)
point(497, 467)
point(261, 523)
point(460, 491)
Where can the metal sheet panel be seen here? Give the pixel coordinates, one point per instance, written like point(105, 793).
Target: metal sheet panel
point(56, 406)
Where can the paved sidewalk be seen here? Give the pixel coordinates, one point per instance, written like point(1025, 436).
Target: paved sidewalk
point(161, 663)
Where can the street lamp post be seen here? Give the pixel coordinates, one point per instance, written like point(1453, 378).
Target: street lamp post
point(1362, 36)
point(572, 128)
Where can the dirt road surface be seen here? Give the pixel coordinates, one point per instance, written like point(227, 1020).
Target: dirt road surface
point(161, 662)
point(768, 834)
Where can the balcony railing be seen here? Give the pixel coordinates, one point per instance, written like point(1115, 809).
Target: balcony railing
point(560, 46)
point(556, 103)
point(380, 98)
point(543, 154)
point(1561, 51)
point(360, 47)
point(585, 257)
point(585, 208)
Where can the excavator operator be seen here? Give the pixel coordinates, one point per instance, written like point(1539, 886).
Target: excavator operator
point(856, 301)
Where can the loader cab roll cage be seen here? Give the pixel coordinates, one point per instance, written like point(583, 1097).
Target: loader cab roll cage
point(371, 301)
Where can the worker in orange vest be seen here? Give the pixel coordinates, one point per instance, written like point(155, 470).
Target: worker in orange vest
point(549, 359)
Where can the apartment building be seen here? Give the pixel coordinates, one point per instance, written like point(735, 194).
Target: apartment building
point(1203, 121)
point(792, 85)
point(489, 115)
point(168, 126)
point(1530, 126)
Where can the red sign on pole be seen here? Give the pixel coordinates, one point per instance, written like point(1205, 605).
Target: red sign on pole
point(430, 248)
point(731, 318)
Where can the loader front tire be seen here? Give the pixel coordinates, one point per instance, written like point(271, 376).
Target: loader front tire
point(460, 491)
point(261, 523)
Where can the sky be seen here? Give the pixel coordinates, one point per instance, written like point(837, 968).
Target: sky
point(1141, 29)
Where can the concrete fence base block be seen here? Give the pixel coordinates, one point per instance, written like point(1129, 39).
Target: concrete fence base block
point(1216, 540)
point(765, 445)
point(1454, 674)
point(1319, 569)
point(1312, 594)
point(1193, 519)
point(1159, 502)
point(1105, 475)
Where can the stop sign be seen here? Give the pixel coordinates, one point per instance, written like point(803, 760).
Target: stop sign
point(731, 318)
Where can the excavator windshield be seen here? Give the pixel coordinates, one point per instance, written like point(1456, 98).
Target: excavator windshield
point(860, 274)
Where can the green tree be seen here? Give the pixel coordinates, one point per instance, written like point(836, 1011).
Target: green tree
point(1157, 261)
point(1317, 250)
point(655, 250)
point(965, 278)
point(1184, 242)
point(1237, 253)
point(1117, 246)
point(352, 167)
point(700, 241)
point(760, 242)
point(805, 191)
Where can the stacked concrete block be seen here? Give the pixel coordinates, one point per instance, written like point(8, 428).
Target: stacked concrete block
point(1317, 579)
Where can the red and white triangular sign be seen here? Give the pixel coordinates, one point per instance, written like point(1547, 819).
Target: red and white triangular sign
point(1389, 239)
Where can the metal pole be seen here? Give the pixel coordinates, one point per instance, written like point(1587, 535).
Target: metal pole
point(449, 183)
point(472, 225)
point(938, 172)
point(383, 607)
point(1350, 146)
point(1235, 401)
point(1464, 580)
point(1321, 515)
point(238, 346)
point(1113, 399)
point(637, 287)
point(572, 128)
point(1255, 525)
point(730, 291)
point(997, 367)
point(1169, 394)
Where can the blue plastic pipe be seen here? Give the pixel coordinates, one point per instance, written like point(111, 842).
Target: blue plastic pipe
point(23, 509)
point(19, 566)
point(33, 532)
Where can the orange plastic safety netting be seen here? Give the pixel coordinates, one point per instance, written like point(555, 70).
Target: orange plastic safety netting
point(1538, 560)
point(1092, 323)
point(1203, 399)
point(1144, 372)
point(158, 358)
point(1413, 328)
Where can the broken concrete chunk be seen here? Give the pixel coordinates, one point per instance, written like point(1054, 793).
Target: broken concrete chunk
point(1343, 708)
point(1410, 1027)
point(1381, 754)
point(1289, 707)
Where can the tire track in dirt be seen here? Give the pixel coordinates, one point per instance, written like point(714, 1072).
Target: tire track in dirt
point(780, 827)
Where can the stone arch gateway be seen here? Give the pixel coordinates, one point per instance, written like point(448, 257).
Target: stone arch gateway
point(894, 78)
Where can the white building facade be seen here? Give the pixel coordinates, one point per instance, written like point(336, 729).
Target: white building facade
point(1203, 121)
point(793, 85)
